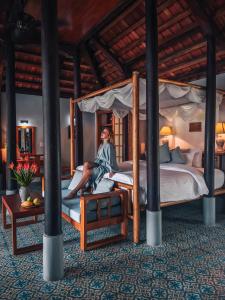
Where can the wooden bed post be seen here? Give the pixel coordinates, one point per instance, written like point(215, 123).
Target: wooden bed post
point(78, 129)
point(72, 141)
point(136, 150)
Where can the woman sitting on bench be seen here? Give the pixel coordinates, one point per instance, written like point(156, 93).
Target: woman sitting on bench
point(105, 162)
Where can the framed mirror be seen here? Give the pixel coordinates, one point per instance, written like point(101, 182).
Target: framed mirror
point(25, 138)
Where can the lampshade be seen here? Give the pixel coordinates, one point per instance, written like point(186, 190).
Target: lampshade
point(220, 128)
point(166, 130)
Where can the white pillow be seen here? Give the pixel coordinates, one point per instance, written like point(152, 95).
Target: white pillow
point(189, 157)
point(194, 158)
point(76, 179)
point(197, 160)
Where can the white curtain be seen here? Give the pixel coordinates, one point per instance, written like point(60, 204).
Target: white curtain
point(173, 100)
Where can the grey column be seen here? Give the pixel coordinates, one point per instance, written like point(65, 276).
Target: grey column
point(53, 262)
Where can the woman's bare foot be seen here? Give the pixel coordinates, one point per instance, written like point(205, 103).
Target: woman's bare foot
point(71, 195)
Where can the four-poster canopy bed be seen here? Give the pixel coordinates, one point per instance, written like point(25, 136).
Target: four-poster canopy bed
point(134, 106)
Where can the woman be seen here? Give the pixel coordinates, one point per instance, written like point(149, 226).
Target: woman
point(105, 162)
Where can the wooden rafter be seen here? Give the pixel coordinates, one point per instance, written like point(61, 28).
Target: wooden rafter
point(111, 57)
point(94, 64)
point(187, 33)
point(141, 22)
point(197, 73)
point(186, 64)
point(178, 54)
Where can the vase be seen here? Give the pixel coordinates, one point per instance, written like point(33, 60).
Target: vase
point(24, 193)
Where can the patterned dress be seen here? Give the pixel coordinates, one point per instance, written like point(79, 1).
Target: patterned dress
point(105, 163)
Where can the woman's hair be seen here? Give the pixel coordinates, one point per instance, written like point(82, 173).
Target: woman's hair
point(110, 133)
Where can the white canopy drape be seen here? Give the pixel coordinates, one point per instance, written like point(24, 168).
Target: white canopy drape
point(174, 100)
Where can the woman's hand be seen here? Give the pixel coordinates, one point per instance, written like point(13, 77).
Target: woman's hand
point(111, 174)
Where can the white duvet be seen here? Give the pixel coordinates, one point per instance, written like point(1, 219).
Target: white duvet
point(177, 182)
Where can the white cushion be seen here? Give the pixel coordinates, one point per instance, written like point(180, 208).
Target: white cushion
point(76, 179)
point(194, 157)
point(197, 160)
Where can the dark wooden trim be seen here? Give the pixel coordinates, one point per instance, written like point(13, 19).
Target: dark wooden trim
point(152, 107)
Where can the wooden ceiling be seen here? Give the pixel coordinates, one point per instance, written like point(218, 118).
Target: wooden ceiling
point(111, 37)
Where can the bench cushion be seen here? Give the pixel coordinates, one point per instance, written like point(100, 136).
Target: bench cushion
point(71, 208)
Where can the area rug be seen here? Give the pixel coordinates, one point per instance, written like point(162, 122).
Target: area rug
point(190, 264)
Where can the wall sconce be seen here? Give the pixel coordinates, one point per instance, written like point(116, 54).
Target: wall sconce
point(23, 121)
point(220, 129)
point(166, 131)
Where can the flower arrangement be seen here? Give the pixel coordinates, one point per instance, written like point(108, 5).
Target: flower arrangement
point(24, 173)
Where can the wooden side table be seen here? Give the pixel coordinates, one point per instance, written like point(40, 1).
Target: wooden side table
point(12, 203)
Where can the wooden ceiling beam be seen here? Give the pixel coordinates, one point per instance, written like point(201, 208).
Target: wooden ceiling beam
point(189, 32)
point(165, 5)
point(94, 64)
point(141, 22)
point(185, 64)
point(111, 57)
point(178, 54)
point(197, 73)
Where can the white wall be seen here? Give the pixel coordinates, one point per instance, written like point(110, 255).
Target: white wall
point(29, 107)
point(187, 139)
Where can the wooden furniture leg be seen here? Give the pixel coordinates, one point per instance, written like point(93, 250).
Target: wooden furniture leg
point(83, 230)
point(124, 224)
point(14, 238)
point(4, 215)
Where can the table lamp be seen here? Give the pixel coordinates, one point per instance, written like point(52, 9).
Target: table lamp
point(166, 131)
point(220, 129)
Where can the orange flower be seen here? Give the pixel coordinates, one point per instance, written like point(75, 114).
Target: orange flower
point(34, 168)
point(26, 158)
point(11, 166)
point(26, 166)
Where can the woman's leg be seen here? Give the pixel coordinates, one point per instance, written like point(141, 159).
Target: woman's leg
point(87, 172)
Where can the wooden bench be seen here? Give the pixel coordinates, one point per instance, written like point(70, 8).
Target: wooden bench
point(94, 211)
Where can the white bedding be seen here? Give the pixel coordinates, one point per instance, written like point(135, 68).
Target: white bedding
point(177, 182)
